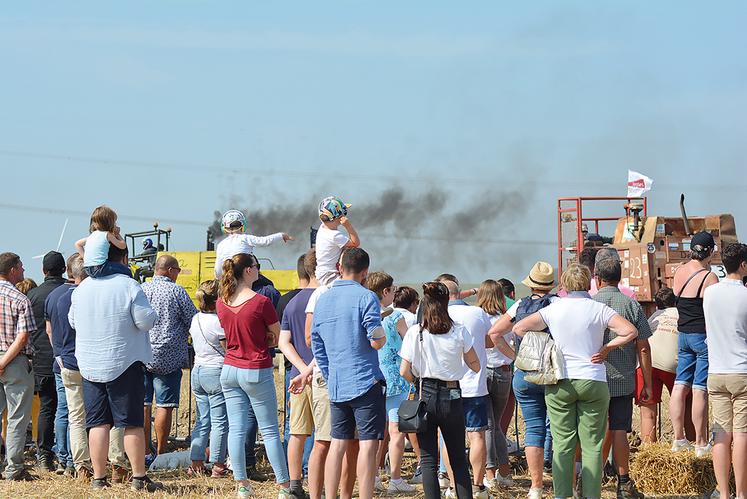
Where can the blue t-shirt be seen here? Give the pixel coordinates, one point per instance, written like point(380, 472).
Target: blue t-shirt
point(294, 320)
point(56, 308)
point(389, 359)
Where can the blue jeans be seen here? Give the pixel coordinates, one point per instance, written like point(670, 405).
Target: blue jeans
point(62, 435)
point(692, 361)
point(548, 441)
point(531, 398)
point(255, 388)
point(211, 418)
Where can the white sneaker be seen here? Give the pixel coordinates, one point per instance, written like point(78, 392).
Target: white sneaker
point(443, 480)
point(681, 445)
point(534, 494)
point(478, 493)
point(703, 451)
point(400, 486)
point(378, 485)
point(450, 494)
point(491, 485)
point(504, 481)
point(244, 492)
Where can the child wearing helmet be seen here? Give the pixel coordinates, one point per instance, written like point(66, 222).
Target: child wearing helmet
point(330, 242)
point(233, 224)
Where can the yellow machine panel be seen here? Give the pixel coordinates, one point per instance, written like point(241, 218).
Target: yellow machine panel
point(199, 266)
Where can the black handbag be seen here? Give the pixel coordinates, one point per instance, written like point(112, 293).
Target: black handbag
point(412, 414)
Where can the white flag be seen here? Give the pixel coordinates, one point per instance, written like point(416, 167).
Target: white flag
point(638, 184)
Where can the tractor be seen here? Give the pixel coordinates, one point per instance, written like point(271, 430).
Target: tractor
point(651, 248)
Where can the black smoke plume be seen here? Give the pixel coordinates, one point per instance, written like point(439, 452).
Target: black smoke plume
point(415, 235)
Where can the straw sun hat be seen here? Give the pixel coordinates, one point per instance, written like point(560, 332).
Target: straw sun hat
point(542, 276)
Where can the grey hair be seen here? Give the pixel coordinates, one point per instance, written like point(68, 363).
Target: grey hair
point(609, 270)
point(76, 269)
point(606, 253)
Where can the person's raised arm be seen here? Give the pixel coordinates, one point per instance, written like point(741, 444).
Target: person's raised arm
point(49, 331)
point(353, 239)
point(268, 240)
point(80, 246)
point(472, 360)
point(115, 240)
point(625, 331)
point(532, 322)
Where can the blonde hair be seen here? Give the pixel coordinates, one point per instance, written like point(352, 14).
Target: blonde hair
point(378, 282)
point(26, 285)
point(490, 298)
point(206, 295)
point(232, 270)
point(104, 219)
point(576, 277)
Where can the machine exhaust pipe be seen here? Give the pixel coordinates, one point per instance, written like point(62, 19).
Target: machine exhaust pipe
point(684, 215)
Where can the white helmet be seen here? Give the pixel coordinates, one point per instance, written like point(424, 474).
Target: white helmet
point(233, 219)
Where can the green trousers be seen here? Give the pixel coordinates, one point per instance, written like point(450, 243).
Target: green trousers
point(578, 415)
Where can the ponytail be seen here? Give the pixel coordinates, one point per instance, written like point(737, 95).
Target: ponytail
point(233, 268)
point(435, 308)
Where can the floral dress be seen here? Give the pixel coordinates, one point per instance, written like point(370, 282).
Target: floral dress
point(389, 359)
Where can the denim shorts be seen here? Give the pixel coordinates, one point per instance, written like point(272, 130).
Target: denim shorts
point(531, 399)
point(367, 412)
point(392, 407)
point(116, 402)
point(166, 386)
point(692, 361)
point(475, 413)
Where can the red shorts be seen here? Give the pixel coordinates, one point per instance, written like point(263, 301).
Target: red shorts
point(659, 379)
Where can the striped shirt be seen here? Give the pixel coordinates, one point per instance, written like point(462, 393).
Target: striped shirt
point(622, 362)
point(16, 317)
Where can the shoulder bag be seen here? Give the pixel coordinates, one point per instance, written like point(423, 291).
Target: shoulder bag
point(540, 359)
point(413, 417)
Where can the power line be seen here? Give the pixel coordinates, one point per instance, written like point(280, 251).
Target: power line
point(485, 182)
point(63, 211)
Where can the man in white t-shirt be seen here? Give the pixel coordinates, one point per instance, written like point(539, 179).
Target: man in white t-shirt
point(725, 307)
point(474, 385)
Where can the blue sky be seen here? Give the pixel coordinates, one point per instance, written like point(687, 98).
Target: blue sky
point(171, 110)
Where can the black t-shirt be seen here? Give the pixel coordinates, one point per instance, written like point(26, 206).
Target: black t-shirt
point(43, 356)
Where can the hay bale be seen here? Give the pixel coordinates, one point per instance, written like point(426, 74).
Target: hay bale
point(657, 470)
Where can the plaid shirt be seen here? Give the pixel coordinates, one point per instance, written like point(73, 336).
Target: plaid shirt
point(622, 362)
point(15, 317)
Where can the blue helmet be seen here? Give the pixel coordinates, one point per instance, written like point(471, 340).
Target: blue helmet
point(331, 208)
point(147, 243)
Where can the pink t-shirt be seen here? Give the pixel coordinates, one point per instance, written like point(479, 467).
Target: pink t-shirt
point(629, 292)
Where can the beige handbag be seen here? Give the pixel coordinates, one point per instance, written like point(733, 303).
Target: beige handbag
point(540, 359)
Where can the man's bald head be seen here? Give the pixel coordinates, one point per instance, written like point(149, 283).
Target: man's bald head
point(167, 266)
point(453, 289)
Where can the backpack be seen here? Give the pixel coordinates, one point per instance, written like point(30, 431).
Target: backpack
point(529, 305)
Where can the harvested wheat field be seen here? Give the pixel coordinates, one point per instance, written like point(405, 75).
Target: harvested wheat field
point(661, 475)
